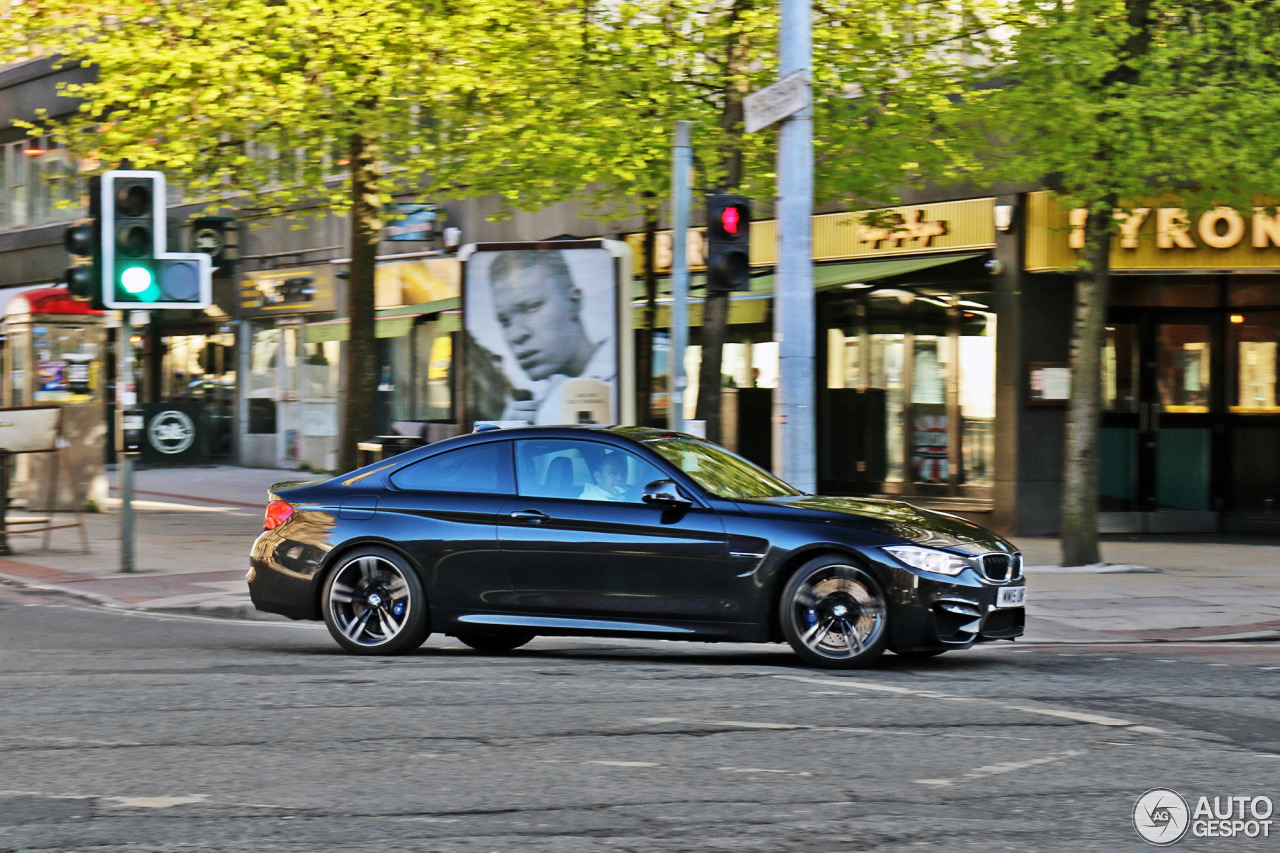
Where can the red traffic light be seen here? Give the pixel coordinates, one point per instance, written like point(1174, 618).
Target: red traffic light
point(729, 219)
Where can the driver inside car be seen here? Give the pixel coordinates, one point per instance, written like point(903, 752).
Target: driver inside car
point(610, 479)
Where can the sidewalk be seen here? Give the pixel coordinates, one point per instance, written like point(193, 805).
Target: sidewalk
point(194, 527)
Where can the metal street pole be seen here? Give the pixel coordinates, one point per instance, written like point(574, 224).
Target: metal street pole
point(681, 164)
point(794, 436)
point(124, 462)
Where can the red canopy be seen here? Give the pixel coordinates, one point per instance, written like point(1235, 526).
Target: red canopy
point(50, 300)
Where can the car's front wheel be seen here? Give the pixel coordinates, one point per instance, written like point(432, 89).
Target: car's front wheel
point(834, 615)
point(495, 642)
point(374, 603)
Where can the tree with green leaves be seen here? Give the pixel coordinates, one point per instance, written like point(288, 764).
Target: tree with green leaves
point(290, 106)
point(1110, 101)
point(883, 74)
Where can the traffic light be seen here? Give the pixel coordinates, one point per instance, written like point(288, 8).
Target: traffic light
point(83, 240)
point(728, 242)
point(137, 272)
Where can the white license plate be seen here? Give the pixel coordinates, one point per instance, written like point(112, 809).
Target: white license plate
point(1011, 596)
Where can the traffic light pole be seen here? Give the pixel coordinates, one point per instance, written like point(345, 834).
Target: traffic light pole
point(681, 164)
point(794, 430)
point(124, 460)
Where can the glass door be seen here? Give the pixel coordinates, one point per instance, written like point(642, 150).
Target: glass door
point(1159, 400)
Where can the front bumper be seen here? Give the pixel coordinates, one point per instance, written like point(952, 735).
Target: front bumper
point(934, 611)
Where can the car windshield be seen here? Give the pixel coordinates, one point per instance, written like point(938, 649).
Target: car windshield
point(723, 474)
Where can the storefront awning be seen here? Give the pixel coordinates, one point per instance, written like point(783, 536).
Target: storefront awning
point(389, 322)
point(753, 306)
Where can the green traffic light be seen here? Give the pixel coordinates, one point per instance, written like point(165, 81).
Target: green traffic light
point(138, 282)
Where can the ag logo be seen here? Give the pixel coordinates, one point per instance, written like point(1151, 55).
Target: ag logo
point(1161, 816)
point(171, 432)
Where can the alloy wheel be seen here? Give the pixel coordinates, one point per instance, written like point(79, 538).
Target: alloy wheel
point(374, 604)
point(834, 615)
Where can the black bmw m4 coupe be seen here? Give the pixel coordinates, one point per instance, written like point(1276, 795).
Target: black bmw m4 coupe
point(500, 536)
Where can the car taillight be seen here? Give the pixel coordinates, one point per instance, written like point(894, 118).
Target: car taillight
point(278, 513)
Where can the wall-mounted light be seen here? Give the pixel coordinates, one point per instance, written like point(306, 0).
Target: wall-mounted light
point(452, 237)
point(32, 148)
point(1004, 217)
point(1237, 318)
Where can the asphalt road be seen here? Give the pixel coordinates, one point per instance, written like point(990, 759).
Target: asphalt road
point(129, 732)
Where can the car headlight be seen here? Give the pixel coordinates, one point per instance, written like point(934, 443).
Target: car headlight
point(929, 560)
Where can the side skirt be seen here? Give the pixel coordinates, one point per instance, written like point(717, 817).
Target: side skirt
point(449, 621)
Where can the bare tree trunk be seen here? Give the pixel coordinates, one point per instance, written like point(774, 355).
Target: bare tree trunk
point(644, 341)
point(1079, 511)
point(360, 365)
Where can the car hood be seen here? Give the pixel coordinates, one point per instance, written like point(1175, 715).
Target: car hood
point(891, 518)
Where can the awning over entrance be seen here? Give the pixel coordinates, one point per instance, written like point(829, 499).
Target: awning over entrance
point(753, 306)
point(388, 323)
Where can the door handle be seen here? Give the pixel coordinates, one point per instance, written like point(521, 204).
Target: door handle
point(532, 516)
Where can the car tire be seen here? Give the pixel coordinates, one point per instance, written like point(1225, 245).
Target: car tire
point(833, 614)
point(374, 603)
point(495, 642)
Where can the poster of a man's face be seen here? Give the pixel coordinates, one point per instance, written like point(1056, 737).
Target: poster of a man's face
point(542, 329)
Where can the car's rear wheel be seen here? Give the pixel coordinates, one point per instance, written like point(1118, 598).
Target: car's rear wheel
point(834, 615)
point(495, 642)
point(374, 603)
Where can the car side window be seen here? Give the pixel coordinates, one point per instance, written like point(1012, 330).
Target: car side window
point(581, 470)
point(480, 468)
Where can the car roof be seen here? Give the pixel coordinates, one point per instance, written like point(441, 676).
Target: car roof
point(388, 465)
point(635, 433)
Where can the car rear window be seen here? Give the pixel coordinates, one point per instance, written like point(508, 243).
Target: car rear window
point(480, 468)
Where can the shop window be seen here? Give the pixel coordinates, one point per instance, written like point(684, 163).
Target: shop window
point(1155, 292)
point(320, 370)
point(68, 366)
point(1183, 368)
point(39, 182)
point(1255, 350)
point(1120, 368)
point(1253, 292)
point(433, 372)
point(910, 391)
point(977, 375)
point(17, 349)
point(16, 185)
point(264, 373)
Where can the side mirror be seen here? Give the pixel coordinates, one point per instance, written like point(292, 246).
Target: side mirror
point(664, 493)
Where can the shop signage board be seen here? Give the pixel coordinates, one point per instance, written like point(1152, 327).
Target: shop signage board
point(411, 222)
point(919, 229)
point(294, 290)
point(1156, 235)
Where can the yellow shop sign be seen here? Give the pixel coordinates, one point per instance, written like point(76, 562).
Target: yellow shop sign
point(1154, 237)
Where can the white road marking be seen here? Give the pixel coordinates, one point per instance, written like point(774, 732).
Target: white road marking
point(763, 770)
point(624, 763)
point(156, 802)
point(1059, 713)
point(1011, 766)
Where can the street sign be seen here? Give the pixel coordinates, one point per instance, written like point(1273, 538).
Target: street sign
point(774, 103)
